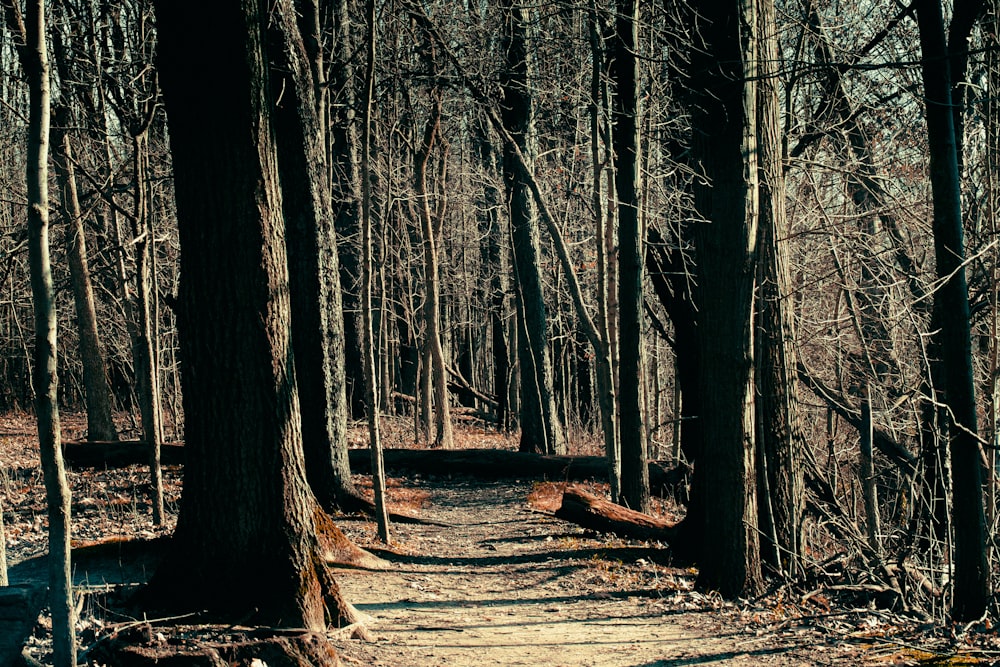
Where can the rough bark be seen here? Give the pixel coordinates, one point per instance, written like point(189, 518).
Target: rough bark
point(246, 545)
point(541, 430)
point(625, 73)
point(589, 511)
point(778, 428)
point(314, 276)
point(724, 149)
point(100, 425)
point(972, 584)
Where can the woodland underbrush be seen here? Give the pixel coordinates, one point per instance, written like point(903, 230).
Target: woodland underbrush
point(885, 609)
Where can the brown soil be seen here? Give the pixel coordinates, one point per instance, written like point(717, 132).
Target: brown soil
point(504, 583)
point(507, 584)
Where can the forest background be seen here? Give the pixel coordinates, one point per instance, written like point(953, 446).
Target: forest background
point(761, 235)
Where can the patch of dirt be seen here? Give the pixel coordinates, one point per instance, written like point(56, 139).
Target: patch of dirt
point(507, 584)
point(502, 583)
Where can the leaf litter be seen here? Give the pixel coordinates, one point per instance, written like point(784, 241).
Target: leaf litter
point(502, 583)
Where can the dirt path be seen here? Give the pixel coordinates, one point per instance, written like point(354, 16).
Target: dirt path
point(507, 585)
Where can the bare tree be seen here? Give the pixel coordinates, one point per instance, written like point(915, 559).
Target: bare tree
point(371, 371)
point(246, 544)
point(540, 427)
point(725, 194)
point(100, 425)
point(635, 472)
point(434, 396)
point(778, 429)
point(35, 61)
point(972, 584)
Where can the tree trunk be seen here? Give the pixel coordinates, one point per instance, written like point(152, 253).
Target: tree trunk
point(635, 480)
point(100, 425)
point(317, 329)
point(724, 150)
point(371, 372)
point(342, 143)
point(246, 545)
point(541, 430)
point(57, 493)
point(497, 300)
point(991, 113)
point(144, 352)
point(436, 374)
point(607, 399)
point(867, 474)
point(589, 511)
point(972, 584)
point(778, 428)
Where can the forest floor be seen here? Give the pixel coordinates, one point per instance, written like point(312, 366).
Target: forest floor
point(503, 582)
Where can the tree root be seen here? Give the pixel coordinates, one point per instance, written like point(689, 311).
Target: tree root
point(338, 549)
point(144, 646)
point(350, 501)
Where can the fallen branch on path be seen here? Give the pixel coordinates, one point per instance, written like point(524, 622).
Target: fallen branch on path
point(590, 511)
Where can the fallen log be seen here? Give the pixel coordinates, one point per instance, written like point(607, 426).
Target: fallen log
point(664, 479)
point(484, 463)
point(589, 511)
point(490, 464)
point(117, 454)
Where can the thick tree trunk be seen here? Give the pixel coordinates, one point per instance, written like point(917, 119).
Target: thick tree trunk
point(100, 425)
point(317, 328)
point(972, 584)
point(635, 482)
point(724, 149)
point(246, 545)
point(541, 430)
point(57, 492)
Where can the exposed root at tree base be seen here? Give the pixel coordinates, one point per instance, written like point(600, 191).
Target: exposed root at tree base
point(353, 502)
point(339, 550)
point(219, 646)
